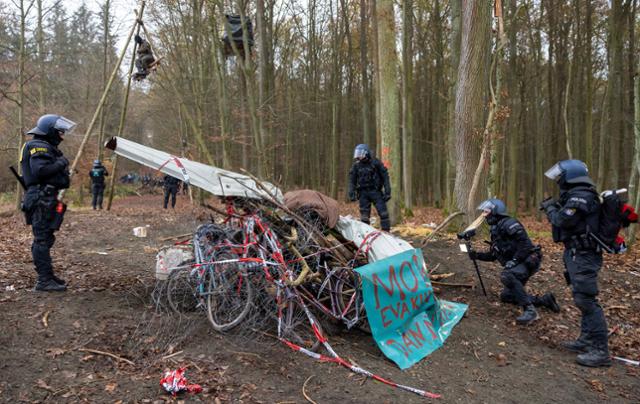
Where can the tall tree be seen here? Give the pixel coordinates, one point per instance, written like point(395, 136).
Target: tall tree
point(470, 96)
point(389, 102)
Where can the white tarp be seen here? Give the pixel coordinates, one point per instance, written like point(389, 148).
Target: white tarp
point(382, 244)
point(212, 179)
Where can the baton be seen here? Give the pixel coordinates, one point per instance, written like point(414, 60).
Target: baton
point(475, 264)
point(18, 177)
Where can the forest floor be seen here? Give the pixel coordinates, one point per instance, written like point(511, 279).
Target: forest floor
point(45, 338)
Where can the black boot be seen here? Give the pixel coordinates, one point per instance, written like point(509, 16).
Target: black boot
point(578, 346)
point(528, 316)
point(548, 300)
point(59, 281)
point(49, 286)
point(594, 358)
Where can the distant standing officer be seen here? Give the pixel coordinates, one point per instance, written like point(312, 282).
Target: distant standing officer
point(97, 174)
point(170, 186)
point(367, 178)
point(45, 171)
point(573, 218)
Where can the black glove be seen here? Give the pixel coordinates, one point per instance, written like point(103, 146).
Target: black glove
point(473, 254)
point(353, 196)
point(510, 264)
point(547, 203)
point(386, 197)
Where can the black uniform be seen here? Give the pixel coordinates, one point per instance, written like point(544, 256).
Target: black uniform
point(45, 172)
point(510, 242)
point(367, 178)
point(573, 217)
point(170, 188)
point(97, 175)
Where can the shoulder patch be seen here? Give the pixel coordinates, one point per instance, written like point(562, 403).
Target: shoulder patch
point(577, 200)
point(570, 211)
point(38, 150)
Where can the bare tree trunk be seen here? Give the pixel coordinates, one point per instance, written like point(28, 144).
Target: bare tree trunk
point(472, 75)
point(589, 90)
point(615, 96)
point(456, 32)
point(364, 65)
point(22, 54)
point(389, 105)
point(634, 194)
point(106, 9)
point(42, 78)
point(376, 73)
point(407, 103)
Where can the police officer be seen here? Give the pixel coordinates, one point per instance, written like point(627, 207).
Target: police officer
point(170, 186)
point(367, 178)
point(573, 218)
point(97, 174)
point(512, 247)
point(45, 171)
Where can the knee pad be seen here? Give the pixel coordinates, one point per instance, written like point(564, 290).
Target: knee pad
point(586, 303)
point(507, 279)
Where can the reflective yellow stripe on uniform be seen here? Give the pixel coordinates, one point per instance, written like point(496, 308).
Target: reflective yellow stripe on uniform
point(22, 151)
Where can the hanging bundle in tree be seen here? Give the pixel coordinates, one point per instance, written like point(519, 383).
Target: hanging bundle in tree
point(233, 36)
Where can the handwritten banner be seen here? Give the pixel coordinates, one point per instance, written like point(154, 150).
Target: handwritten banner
point(408, 322)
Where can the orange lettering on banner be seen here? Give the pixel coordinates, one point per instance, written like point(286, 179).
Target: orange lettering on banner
point(417, 335)
point(404, 265)
point(393, 342)
point(388, 288)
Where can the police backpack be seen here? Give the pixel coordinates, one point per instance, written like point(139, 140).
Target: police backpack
point(614, 216)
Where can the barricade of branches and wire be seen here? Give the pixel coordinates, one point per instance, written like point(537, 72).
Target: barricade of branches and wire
point(263, 267)
point(258, 266)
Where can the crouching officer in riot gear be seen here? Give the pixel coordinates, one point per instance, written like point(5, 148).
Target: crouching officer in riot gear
point(45, 171)
point(367, 178)
point(170, 185)
point(512, 247)
point(97, 174)
point(573, 217)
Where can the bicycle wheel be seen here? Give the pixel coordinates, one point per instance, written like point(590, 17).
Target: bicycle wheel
point(296, 327)
point(181, 292)
point(349, 298)
point(229, 293)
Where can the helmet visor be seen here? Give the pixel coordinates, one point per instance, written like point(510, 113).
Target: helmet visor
point(359, 153)
point(554, 172)
point(486, 207)
point(65, 125)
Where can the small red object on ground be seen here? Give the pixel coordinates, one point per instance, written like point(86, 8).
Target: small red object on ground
point(174, 382)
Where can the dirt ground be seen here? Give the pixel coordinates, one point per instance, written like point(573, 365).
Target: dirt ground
point(46, 339)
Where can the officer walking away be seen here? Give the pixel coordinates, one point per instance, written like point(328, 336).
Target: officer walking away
point(367, 178)
point(144, 60)
point(574, 216)
point(512, 247)
point(45, 172)
point(97, 174)
point(170, 186)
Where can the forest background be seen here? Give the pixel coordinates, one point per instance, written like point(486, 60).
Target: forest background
point(461, 99)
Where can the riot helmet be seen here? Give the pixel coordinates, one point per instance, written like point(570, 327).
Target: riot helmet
point(96, 163)
point(493, 210)
point(569, 172)
point(52, 127)
point(361, 152)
